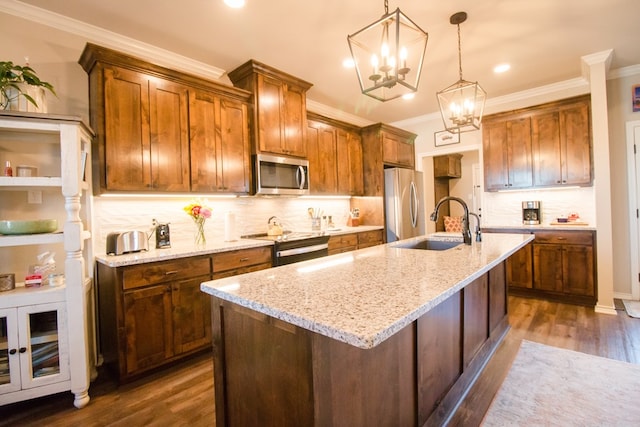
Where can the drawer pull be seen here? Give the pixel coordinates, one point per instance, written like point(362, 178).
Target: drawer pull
point(561, 238)
point(244, 259)
point(168, 273)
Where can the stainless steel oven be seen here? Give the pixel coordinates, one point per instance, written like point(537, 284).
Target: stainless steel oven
point(295, 247)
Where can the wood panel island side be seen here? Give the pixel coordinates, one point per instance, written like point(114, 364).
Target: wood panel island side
point(380, 336)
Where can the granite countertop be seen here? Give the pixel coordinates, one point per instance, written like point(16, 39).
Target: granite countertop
point(178, 250)
point(545, 227)
point(363, 297)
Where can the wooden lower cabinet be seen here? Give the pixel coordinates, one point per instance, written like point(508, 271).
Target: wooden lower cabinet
point(272, 373)
point(343, 243)
point(153, 314)
point(559, 265)
point(350, 242)
point(370, 238)
point(564, 264)
point(242, 261)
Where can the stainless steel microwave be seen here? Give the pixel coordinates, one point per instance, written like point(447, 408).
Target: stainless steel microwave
point(281, 175)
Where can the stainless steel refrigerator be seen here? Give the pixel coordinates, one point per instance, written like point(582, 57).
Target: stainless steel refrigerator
point(403, 203)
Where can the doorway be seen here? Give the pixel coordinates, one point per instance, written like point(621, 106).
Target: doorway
point(633, 178)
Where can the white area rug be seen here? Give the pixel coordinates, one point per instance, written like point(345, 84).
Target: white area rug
point(549, 386)
point(632, 307)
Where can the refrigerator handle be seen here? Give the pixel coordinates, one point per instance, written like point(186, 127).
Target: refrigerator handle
point(414, 205)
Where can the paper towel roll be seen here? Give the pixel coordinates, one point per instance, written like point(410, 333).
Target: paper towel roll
point(230, 227)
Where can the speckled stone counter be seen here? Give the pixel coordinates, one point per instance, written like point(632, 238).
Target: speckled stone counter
point(212, 246)
point(537, 227)
point(178, 251)
point(362, 298)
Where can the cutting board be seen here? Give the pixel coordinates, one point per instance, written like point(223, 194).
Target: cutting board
point(569, 223)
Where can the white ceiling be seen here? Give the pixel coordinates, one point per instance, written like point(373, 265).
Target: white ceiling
point(543, 40)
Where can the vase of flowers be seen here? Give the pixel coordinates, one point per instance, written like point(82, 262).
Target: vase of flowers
point(199, 212)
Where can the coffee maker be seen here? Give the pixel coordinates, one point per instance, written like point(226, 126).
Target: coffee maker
point(531, 213)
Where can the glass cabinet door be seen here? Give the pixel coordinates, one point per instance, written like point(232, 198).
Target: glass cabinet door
point(9, 351)
point(46, 360)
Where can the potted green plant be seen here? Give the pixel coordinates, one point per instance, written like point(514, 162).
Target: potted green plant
point(15, 81)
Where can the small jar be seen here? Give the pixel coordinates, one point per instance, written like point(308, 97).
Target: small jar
point(7, 281)
point(56, 279)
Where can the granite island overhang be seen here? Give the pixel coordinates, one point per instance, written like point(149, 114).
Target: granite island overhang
point(358, 327)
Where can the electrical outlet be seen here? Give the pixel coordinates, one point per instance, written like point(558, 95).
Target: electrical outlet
point(34, 197)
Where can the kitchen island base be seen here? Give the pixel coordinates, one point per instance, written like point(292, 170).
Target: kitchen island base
point(271, 373)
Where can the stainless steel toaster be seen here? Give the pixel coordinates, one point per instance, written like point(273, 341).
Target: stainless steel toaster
point(127, 242)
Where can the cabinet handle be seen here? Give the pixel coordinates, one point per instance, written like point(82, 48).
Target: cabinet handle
point(561, 238)
point(244, 259)
point(23, 349)
point(168, 273)
point(13, 351)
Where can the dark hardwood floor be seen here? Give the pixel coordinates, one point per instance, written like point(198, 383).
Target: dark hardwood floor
point(183, 395)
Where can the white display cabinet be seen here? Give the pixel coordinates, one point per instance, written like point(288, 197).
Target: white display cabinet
point(46, 333)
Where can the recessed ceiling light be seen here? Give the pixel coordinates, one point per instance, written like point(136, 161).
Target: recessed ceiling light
point(348, 63)
point(236, 4)
point(409, 95)
point(501, 68)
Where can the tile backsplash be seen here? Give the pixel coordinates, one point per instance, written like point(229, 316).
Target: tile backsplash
point(505, 208)
point(115, 214)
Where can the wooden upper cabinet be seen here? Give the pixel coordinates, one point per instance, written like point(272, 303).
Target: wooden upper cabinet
point(141, 115)
point(280, 108)
point(146, 120)
point(349, 163)
point(507, 154)
point(220, 145)
point(562, 145)
point(384, 145)
point(542, 146)
point(397, 147)
point(321, 152)
point(447, 166)
point(335, 157)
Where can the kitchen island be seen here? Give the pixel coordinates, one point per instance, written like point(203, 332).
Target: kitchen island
point(381, 336)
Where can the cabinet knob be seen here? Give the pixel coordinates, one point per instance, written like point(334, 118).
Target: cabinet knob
point(13, 351)
point(23, 349)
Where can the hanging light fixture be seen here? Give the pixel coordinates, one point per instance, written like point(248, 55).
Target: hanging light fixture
point(462, 103)
point(388, 55)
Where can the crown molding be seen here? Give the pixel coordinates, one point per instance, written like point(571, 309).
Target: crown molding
point(110, 39)
point(619, 73)
point(336, 114)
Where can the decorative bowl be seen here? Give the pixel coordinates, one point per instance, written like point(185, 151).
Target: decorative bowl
point(29, 227)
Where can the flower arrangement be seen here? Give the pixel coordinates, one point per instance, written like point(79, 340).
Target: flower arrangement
point(199, 212)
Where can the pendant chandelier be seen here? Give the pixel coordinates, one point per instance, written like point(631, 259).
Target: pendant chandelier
point(388, 55)
point(462, 103)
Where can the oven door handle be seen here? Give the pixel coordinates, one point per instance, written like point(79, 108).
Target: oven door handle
point(302, 250)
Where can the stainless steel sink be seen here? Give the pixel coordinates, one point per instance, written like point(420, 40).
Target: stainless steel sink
point(429, 245)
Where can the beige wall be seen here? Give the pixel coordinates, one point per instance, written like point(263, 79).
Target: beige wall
point(620, 112)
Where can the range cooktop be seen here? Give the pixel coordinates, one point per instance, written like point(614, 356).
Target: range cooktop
point(285, 237)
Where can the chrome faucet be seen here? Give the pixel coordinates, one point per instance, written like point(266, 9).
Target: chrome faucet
point(478, 232)
point(466, 234)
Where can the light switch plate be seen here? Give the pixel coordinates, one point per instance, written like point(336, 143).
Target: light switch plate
point(34, 197)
